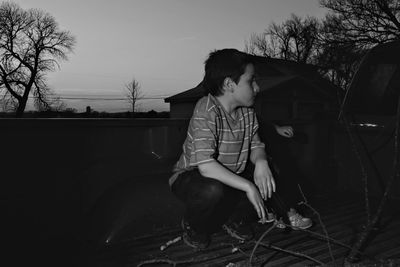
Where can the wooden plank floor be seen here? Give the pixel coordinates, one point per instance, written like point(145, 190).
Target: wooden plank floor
point(343, 219)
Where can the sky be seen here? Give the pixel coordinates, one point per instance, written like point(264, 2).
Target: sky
point(160, 43)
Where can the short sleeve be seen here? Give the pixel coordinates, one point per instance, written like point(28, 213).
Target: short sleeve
point(256, 141)
point(202, 134)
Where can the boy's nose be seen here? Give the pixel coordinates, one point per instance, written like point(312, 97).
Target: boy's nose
point(256, 88)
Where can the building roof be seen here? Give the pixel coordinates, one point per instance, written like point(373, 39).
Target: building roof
point(271, 74)
point(188, 95)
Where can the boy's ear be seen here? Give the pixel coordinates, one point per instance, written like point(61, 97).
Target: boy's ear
point(227, 84)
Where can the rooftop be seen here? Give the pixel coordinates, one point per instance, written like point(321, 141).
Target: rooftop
point(341, 217)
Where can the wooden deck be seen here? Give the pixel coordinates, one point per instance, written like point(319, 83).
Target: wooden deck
point(342, 217)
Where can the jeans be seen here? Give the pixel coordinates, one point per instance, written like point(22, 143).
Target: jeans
point(210, 203)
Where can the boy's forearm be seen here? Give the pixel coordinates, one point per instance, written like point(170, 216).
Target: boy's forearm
point(216, 171)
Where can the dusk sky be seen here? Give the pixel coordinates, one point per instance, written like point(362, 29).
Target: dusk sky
point(161, 43)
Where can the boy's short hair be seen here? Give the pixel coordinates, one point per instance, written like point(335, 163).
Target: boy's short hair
point(221, 64)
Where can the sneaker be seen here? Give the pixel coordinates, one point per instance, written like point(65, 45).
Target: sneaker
point(192, 239)
point(299, 222)
point(241, 231)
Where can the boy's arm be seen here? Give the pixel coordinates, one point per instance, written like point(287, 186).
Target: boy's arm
point(263, 177)
point(215, 170)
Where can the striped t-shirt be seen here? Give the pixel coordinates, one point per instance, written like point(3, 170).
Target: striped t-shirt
point(214, 135)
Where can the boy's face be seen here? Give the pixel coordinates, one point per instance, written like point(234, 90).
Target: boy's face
point(246, 89)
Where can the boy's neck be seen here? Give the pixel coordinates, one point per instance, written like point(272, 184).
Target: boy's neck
point(228, 104)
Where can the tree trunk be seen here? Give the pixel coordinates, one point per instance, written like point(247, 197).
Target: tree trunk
point(21, 108)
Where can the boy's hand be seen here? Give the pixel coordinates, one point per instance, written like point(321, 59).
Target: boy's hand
point(263, 179)
point(254, 197)
point(285, 131)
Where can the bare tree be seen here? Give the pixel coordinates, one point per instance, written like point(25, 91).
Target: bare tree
point(338, 62)
point(350, 28)
point(295, 39)
point(337, 43)
point(31, 45)
point(133, 93)
point(302, 40)
point(362, 23)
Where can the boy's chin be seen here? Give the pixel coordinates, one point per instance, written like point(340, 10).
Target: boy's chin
point(250, 104)
point(247, 104)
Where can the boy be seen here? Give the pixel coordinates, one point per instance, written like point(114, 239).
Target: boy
point(211, 177)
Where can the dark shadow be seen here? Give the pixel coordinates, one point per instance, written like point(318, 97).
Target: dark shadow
point(133, 207)
point(288, 175)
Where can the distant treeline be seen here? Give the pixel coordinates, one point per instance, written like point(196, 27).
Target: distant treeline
point(71, 113)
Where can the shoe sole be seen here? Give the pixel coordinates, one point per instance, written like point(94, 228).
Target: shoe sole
point(301, 228)
point(192, 245)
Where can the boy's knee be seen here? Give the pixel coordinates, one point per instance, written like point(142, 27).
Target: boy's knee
point(214, 191)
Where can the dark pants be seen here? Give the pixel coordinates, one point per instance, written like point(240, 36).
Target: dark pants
point(210, 203)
